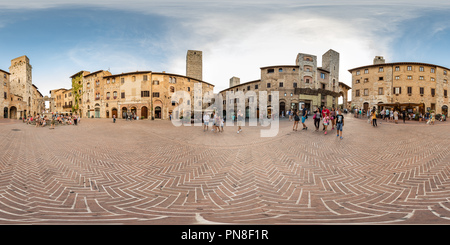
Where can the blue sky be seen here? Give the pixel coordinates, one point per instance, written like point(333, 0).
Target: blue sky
point(236, 37)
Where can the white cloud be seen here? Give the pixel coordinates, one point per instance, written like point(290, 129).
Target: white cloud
point(239, 37)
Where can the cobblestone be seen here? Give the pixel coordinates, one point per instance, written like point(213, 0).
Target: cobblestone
point(150, 172)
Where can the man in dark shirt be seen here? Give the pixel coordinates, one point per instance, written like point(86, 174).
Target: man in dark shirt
point(339, 123)
point(304, 113)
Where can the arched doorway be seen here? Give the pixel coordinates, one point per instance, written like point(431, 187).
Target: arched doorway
point(97, 111)
point(114, 112)
point(144, 112)
point(282, 108)
point(445, 110)
point(341, 101)
point(366, 106)
point(133, 111)
point(124, 112)
point(158, 112)
point(5, 112)
point(13, 112)
point(380, 107)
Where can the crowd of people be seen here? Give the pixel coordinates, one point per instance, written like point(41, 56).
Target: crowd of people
point(324, 116)
point(216, 122)
point(393, 115)
point(329, 118)
point(41, 120)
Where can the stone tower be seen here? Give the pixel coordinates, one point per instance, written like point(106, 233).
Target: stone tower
point(378, 60)
point(330, 62)
point(234, 81)
point(194, 64)
point(20, 79)
point(307, 64)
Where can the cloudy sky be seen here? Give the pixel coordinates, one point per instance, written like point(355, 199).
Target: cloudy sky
point(237, 37)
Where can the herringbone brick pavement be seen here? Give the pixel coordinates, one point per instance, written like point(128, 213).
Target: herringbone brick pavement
point(151, 172)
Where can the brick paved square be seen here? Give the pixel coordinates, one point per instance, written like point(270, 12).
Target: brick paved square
point(150, 172)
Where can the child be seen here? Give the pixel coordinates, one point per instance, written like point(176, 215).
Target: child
point(339, 123)
point(221, 124)
point(326, 121)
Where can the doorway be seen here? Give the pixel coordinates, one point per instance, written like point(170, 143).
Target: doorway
point(114, 112)
point(366, 106)
point(124, 112)
point(158, 112)
point(144, 112)
point(13, 112)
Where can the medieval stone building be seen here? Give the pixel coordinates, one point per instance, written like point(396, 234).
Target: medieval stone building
point(412, 86)
point(142, 94)
point(303, 83)
point(19, 96)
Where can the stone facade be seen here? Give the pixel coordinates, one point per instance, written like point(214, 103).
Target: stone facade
point(144, 94)
point(61, 101)
point(302, 83)
point(19, 96)
point(401, 82)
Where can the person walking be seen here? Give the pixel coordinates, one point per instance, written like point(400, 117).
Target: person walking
point(114, 118)
point(296, 120)
point(396, 116)
point(326, 121)
point(304, 115)
point(404, 115)
point(316, 118)
point(205, 122)
point(217, 123)
point(325, 113)
point(332, 118)
point(374, 118)
point(240, 118)
point(52, 123)
point(432, 117)
point(339, 123)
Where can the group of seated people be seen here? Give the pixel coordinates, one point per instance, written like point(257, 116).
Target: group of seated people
point(43, 120)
